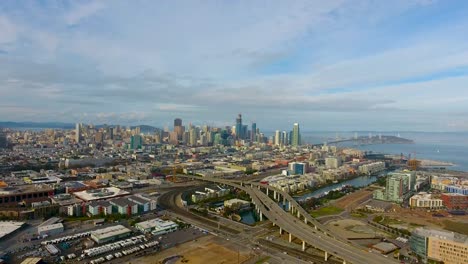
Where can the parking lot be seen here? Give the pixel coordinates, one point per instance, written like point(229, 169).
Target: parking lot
point(80, 248)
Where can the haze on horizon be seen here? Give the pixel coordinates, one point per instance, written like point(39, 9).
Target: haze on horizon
point(329, 65)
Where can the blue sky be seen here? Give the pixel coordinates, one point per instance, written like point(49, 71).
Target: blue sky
point(330, 65)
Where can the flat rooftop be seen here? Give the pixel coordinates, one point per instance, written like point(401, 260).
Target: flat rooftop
point(156, 224)
point(100, 194)
point(109, 232)
point(7, 227)
point(13, 190)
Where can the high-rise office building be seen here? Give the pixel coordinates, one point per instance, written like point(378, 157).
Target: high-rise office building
point(177, 122)
point(3, 139)
point(253, 132)
point(238, 127)
point(178, 128)
point(136, 142)
point(296, 136)
point(277, 138)
point(285, 138)
point(193, 137)
point(78, 132)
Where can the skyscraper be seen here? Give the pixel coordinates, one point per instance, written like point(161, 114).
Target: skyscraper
point(3, 139)
point(77, 132)
point(178, 128)
point(277, 138)
point(177, 122)
point(296, 136)
point(238, 128)
point(136, 141)
point(253, 132)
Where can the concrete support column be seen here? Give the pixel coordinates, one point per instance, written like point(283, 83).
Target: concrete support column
point(290, 237)
point(284, 201)
point(274, 195)
point(326, 256)
point(303, 245)
point(315, 227)
point(258, 187)
point(251, 185)
point(267, 190)
point(281, 231)
point(344, 261)
point(261, 216)
point(274, 224)
point(305, 221)
point(298, 214)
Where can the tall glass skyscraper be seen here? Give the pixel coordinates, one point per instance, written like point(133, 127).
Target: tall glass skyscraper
point(253, 133)
point(296, 136)
point(239, 127)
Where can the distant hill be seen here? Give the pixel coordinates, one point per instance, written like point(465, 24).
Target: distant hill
point(143, 128)
point(8, 124)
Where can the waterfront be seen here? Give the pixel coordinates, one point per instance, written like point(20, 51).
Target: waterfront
point(448, 147)
point(360, 181)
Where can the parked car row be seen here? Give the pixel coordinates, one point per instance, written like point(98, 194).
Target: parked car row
point(66, 238)
point(113, 246)
point(124, 252)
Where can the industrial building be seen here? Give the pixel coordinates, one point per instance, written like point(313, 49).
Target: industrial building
point(14, 195)
point(111, 233)
point(8, 227)
point(157, 226)
point(50, 230)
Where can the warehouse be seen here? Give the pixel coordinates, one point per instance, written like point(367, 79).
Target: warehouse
point(110, 234)
point(53, 229)
point(157, 226)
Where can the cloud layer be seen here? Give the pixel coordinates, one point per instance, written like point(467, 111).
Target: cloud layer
point(330, 65)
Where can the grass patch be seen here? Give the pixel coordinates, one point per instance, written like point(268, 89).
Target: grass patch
point(327, 210)
point(263, 260)
point(358, 215)
point(461, 228)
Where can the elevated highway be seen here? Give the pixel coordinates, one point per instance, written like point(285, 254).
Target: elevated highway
point(317, 236)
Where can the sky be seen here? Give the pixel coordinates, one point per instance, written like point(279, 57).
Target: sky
point(330, 65)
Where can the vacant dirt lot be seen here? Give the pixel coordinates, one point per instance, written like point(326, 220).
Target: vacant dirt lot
point(349, 202)
point(353, 229)
point(208, 249)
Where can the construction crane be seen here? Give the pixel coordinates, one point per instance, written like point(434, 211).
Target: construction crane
point(413, 163)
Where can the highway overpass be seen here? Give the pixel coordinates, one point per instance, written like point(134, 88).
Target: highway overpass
point(317, 236)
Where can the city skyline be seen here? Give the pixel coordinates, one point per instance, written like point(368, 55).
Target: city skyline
point(332, 66)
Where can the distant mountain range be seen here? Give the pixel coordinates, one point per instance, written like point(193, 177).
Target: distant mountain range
point(8, 124)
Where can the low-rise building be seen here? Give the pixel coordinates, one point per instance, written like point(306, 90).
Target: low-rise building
point(236, 204)
point(455, 201)
point(157, 226)
point(53, 229)
point(372, 168)
point(439, 246)
point(125, 206)
point(109, 234)
point(100, 208)
point(425, 200)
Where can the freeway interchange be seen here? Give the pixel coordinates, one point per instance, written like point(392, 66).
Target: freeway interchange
point(316, 235)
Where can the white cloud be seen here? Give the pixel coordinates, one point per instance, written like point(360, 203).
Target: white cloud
point(8, 30)
point(83, 11)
